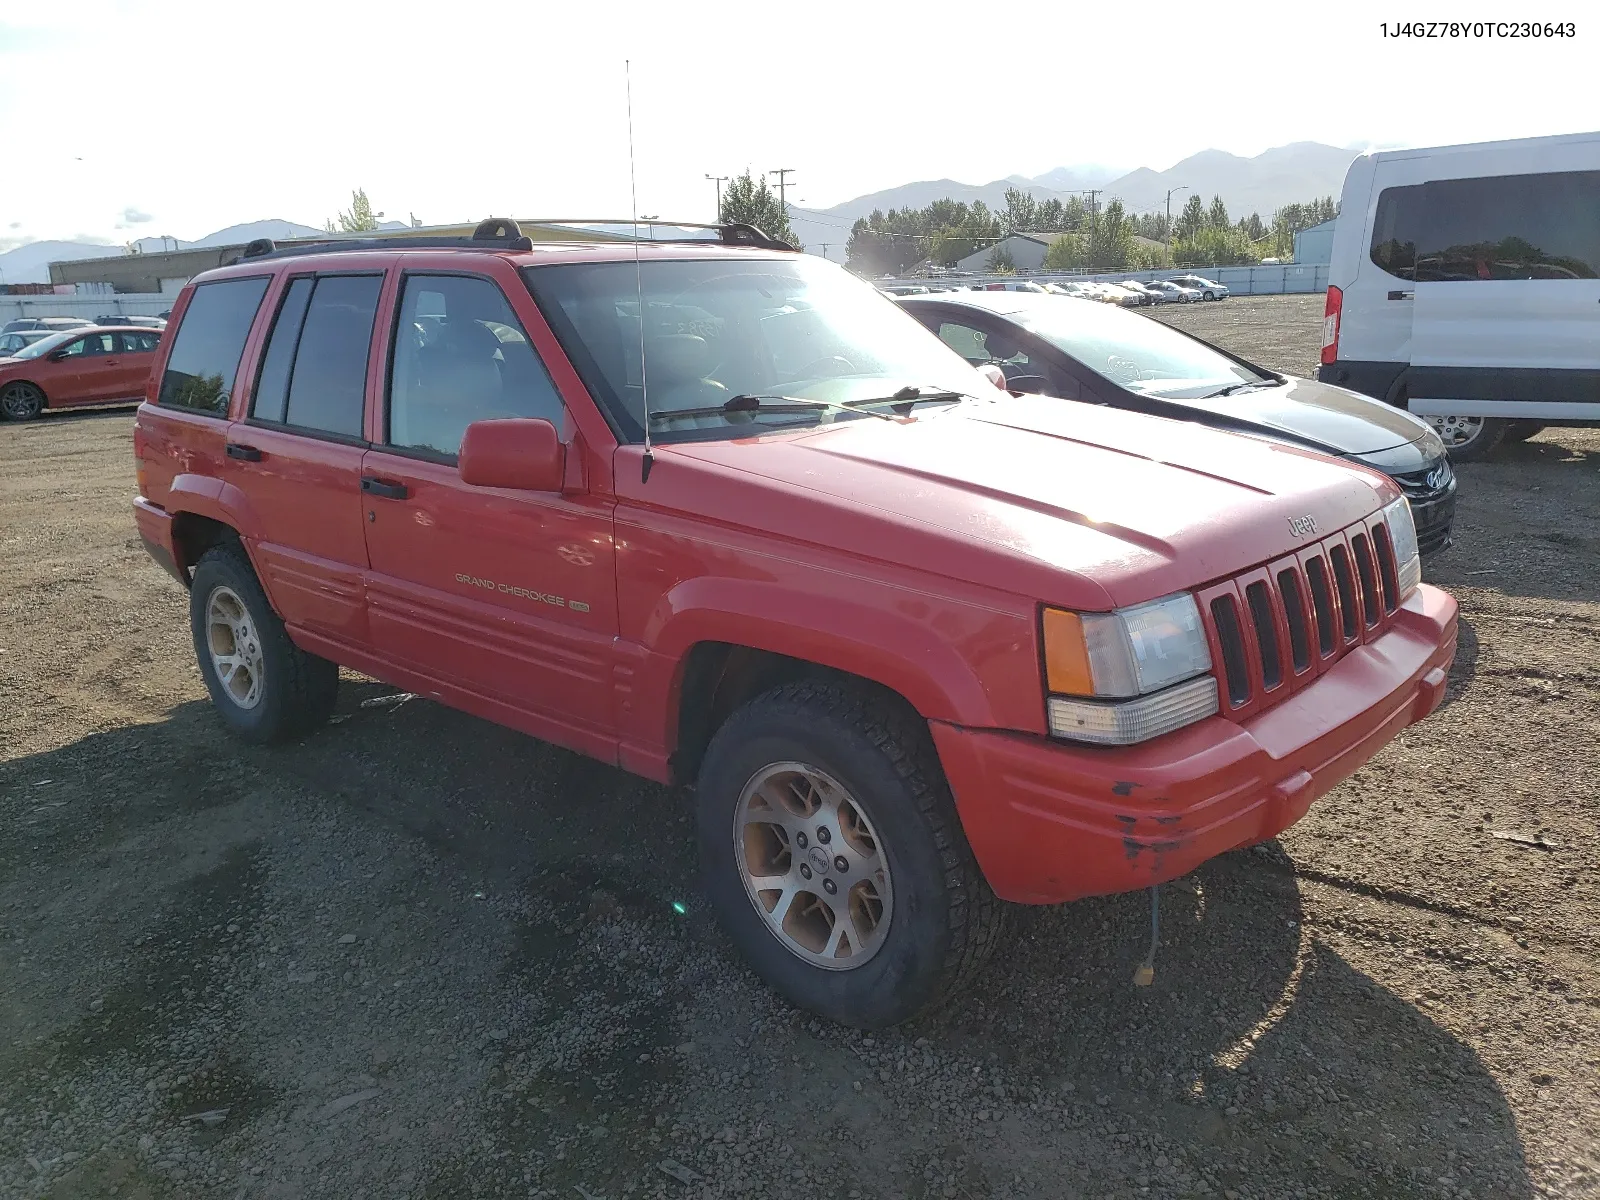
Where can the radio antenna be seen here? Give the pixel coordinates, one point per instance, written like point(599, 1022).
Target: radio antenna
point(638, 277)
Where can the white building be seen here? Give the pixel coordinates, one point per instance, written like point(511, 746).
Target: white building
point(1027, 252)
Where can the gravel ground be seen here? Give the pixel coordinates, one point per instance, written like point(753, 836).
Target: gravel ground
point(418, 955)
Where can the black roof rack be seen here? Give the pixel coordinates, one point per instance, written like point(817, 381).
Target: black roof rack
point(502, 233)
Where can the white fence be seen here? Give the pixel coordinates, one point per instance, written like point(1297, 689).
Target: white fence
point(1240, 281)
point(140, 304)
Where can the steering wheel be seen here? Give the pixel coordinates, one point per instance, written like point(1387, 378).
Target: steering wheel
point(829, 368)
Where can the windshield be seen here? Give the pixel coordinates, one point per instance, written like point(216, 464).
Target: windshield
point(1139, 353)
point(45, 344)
point(719, 328)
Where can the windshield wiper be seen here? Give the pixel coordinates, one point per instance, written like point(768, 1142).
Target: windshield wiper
point(909, 396)
point(745, 402)
point(1241, 387)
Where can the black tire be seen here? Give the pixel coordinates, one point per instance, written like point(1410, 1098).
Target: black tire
point(296, 690)
point(1470, 439)
point(22, 401)
point(943, 919)
point(1208, 295)
point(1521, 431)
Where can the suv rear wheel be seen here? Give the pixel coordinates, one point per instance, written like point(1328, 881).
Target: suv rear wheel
point(264, 686)
point(1469, 439)
point(834, 858)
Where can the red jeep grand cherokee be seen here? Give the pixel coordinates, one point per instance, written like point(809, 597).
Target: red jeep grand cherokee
point(918, 644)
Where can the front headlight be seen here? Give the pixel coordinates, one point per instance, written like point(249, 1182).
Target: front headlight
point(1143, 659)
point(1403, 540)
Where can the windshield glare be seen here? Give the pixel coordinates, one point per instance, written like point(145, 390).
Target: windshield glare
point(44, 345)
point(1140, 353)
point(719, 328)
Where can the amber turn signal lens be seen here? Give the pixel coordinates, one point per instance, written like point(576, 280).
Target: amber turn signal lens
point(1066, 657)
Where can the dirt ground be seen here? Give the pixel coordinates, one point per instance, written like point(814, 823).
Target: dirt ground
point(418, 955)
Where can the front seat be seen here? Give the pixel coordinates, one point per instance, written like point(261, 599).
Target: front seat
point(676, 369)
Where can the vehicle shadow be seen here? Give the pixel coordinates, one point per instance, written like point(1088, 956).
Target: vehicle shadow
point(1260, 1058)
point(1465, 667)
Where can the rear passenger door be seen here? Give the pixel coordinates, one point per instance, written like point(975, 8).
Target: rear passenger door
point(136, 354)
point(297, 454)
point(507, 594)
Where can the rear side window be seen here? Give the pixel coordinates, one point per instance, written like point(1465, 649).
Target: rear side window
point(205, 355)
point(137, 343)
point(1544, 226)
point(271, 395)
point(314, 372)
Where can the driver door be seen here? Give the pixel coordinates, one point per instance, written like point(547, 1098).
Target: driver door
point(85, 372)
point(507, 594)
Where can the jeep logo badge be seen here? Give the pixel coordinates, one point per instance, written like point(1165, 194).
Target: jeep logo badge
point(1302, 526)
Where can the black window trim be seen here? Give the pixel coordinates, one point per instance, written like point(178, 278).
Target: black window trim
point(321, 435)
point(427, 453)
point(177, 328)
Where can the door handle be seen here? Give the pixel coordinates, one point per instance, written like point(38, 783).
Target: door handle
point(1401, 295)
point(374, 486)
point(243, 453)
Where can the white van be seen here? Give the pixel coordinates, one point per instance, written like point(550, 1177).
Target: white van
point(1465, 287)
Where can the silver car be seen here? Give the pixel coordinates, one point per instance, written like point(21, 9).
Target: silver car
point(1174, 292)
point(1208, 289)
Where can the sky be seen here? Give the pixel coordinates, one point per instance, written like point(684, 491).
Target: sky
point(248, 110)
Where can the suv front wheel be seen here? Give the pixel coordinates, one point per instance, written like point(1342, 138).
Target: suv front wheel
point(264, 686)
point(834, 858)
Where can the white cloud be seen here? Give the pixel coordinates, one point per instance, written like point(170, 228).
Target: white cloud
point(430, 116)
point(134, 216)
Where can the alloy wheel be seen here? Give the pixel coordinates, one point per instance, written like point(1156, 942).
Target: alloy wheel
point(235, 647)
point(1457, 432)
point(21, 401)
point(813, 865)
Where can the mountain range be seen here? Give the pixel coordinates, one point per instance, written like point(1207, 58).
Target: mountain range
point(1282, 175)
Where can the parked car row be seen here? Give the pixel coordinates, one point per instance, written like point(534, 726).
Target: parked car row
point(56, 324)
point(1180, 289)
point(719, 515)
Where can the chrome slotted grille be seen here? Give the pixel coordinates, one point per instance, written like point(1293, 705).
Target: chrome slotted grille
point(1276, 627)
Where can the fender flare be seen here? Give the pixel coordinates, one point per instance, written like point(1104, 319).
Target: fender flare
point(208, 496)
point(908, 657)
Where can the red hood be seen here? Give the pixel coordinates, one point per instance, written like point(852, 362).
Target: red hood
point(1069, 503)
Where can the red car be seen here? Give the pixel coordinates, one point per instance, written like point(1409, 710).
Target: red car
point(723, 515)
point(98, 365)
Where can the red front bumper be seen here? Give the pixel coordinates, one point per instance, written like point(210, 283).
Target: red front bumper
point(1051, 821)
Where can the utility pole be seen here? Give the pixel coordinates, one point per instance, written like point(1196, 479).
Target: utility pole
point(825, 246)
point(717, 179)
point(783, 174)
point(1092, 193)
point(1168, 238)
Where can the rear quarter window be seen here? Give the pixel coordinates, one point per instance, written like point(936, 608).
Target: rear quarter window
point(209, 343)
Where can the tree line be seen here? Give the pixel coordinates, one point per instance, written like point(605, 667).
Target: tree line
point(1103, 237)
